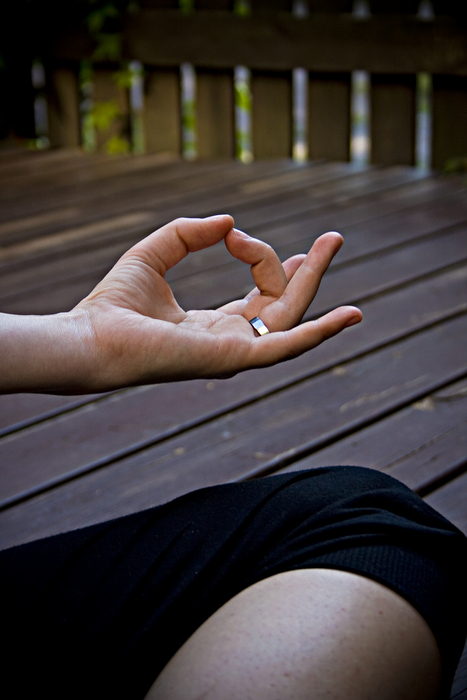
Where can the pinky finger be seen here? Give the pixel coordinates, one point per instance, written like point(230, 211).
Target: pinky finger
point(330, 324)
point(285, 345)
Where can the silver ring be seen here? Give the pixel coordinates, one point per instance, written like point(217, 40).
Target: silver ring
point(259, 326)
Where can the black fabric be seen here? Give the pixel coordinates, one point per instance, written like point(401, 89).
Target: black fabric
point(98, 612)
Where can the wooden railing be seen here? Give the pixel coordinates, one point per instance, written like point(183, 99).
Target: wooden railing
point(379, 88)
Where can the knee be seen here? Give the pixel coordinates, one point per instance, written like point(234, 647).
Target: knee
point(312, 633)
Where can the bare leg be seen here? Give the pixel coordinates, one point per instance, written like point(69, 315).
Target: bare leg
point(307, 635)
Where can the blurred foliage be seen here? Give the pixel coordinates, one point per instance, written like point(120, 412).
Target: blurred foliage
point(243, 98)
point(455, 165)
point(117, 145)
point(28, 28)
point(103, 114)
point(242, 7)
point(109, 47)
point(187, 5)
point(123, 78)
point(96, 18)
point(103, 24)
point(189, 115)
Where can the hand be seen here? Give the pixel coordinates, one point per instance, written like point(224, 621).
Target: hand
point(130, 330)
point(141, 335)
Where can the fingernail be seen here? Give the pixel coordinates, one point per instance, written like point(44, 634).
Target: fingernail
point(218, 217)
point(241, 234)
point(353, 321)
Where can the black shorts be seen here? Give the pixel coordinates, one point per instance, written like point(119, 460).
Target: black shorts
point(98, 612)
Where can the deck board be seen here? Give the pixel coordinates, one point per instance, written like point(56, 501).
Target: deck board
point(389, 394)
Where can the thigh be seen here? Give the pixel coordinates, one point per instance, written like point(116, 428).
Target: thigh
point(307, 634)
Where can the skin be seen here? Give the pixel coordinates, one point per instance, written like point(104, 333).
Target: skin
point(130, 330)
point(312, 634)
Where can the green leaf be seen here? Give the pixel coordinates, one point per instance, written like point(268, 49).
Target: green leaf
point(123, 78)
point(104, 113)
point(86, 72)
point(95, 20)
point(187, 6)
point(117, 145)
point(109, 47)
point(242, 8)
point(455, 165)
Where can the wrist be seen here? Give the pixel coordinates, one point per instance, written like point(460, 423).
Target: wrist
point(50, 353)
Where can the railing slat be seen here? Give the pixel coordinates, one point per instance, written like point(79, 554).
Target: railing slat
point(329, 116)
point(272, 117)
point(393, 120)
point(215, 114)
point(449, 118)
point(322, 42)
point(63, 107)
point(162, 111)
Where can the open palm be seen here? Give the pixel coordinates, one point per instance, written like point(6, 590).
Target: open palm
point(142, 335)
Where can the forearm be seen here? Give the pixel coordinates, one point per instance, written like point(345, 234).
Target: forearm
point(49, 354)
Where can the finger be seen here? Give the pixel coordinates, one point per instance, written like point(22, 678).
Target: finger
point(266, 268)
point(168, 245)
point(290, 266)
point(306, 281)
point(287, 311)
point(277, 347)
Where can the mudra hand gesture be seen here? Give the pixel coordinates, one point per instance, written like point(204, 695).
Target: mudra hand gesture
point(130, 329)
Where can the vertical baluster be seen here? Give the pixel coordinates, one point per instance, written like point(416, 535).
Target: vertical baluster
point(423, 128)
point(424, 114)
point(361, 9)
point(188, 84)
point(243, 101)
point(188, 99)
point(243, 126)
point(300, 98)
point(425, 11)
point(360, 140)
point(300, 115)
point(86, 89)
point(360, 120)
point(136, 107)
point(41, 121)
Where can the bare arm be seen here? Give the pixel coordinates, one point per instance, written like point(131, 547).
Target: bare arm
point(130, 329)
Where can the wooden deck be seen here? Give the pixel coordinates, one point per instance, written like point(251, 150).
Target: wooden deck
point(389, 394)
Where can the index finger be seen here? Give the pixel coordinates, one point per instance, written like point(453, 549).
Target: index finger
point(168, 245)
